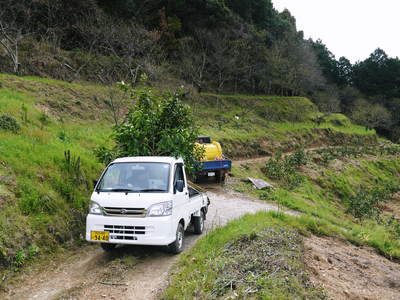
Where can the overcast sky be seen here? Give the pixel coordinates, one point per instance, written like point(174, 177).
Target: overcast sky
point(350, 28)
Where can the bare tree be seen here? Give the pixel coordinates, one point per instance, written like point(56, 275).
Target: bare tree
point(221, 61)
point(134, 47)
point(117, 102)
point(10, 39)
point(371, 115)
point(193, 62)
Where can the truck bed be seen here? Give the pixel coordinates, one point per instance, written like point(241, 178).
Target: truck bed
point(216, 165)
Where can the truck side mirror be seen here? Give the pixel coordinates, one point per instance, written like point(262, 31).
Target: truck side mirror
point(179, 185)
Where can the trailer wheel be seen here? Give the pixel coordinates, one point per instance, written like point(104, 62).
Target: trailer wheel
point(198, 223)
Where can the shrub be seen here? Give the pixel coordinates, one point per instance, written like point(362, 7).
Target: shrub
point(44, 119)
point(285, 169)
point(62, 135)
point(392, 224)
point(365, 203)
point(73, 167)
point(158, 126)
point(9, 123)
point(104, 154)
point(297, 159)
point(24, 113)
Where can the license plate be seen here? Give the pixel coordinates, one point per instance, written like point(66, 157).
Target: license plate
point(210, 174)
point(102, 236)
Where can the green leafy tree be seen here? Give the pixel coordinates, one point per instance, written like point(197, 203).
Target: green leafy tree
point(159, 126)
point(378, 75)
point(345, 70)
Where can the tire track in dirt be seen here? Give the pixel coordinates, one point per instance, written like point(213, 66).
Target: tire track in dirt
point(78, 276)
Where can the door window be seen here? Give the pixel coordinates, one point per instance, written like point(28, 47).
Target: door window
point(179, 175)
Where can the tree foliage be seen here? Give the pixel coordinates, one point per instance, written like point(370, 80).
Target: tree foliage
point(378, 75)
point(158, 126)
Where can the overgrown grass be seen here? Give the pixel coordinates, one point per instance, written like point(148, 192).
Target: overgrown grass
point(256, 257)
point(42, 203)
point(239, 260)
point(348, 195)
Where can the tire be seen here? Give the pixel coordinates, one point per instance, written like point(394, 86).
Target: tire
point(218, 176)
point(108, 247)
point(198, 223)
point(223, 177)
point(177, 246)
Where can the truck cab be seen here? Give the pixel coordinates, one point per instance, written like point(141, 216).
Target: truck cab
point(145, 201)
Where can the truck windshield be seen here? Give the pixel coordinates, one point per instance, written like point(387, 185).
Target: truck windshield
point(135, 178)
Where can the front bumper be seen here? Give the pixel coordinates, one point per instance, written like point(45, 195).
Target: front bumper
point(155, 231)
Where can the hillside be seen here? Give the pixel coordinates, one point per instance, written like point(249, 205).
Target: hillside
point(215, 46)
point(56, 117)
point(48, 163)
point(347, 198)
point(324, 132)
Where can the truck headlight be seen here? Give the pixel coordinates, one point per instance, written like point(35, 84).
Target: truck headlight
point(95, 208)
point(160, 209)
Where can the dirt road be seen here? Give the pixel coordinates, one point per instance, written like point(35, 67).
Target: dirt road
point(129, 273)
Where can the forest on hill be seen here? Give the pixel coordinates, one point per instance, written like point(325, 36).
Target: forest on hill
point(224, 46)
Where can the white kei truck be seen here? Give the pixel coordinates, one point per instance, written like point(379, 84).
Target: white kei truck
point(145, 201)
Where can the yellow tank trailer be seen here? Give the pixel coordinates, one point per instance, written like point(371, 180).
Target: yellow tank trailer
point(213, 162)
point(212, 149)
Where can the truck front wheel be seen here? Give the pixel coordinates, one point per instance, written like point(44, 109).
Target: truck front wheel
point(108, 247)
point(177, 246)
point(198, 223)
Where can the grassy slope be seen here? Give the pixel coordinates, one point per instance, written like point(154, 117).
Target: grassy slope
point(43, 200)
point(324, 196)
point(325, 192)
point(211, 271)
point(328, 185)
point(251, 126)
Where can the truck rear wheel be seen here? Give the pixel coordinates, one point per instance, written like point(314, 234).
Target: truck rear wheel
point(220, 176)
point(177, 246)
point(108, 247)
point(198, 223)
point(223, 177)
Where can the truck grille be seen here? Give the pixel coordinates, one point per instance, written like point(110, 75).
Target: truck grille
point(125, 212)
point(118, 232)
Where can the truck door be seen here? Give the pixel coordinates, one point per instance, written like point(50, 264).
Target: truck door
point(181, 202)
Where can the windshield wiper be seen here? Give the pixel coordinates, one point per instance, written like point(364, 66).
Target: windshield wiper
point(119, 190)
point(150, 190)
